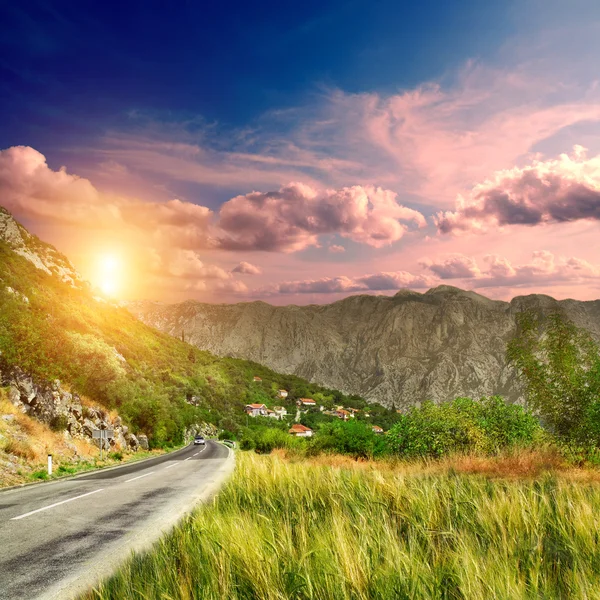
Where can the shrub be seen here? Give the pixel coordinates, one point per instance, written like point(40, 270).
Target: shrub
point(59, 423)
point(348, 437)
point(463, 425)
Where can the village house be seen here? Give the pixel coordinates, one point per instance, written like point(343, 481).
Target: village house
point(343, 414)
point(377, 429)
point(280, 411)
point(353, 411)
point(256, 378)
point(256, 410)
point(272, 414)
point(282, 393)
point(300, 430)
point(307, 402)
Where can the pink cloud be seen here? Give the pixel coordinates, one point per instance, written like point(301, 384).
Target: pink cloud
point(552, 191)
point(29, 188)
point(287, 220)
point(374, 282)
point(544, 268)
point(294, 217)
point(335, 249)
point(246, 268)
point(186, 264)
point(453, 266)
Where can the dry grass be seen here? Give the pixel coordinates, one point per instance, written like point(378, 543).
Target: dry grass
point(515, 464)
point(20, 448)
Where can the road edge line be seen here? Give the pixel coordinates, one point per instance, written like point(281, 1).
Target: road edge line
point(20, 486)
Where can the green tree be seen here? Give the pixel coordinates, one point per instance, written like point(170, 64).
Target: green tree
point(560, 367)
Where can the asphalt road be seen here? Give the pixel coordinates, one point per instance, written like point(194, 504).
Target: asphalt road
point(58, 539)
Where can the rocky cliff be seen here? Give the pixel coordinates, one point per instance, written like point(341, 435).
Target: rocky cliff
point(398, 350)
point(53, 405)
point(42, 255)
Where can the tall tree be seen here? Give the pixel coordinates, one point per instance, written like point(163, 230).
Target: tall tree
point(560, 367)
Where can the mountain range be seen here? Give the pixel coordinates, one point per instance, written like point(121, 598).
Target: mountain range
point(398, 350)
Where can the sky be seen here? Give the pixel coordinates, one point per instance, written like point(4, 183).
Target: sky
point(299, 153)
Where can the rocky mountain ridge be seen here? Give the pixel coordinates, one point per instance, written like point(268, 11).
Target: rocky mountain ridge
point(398, 350)
point(42, 255)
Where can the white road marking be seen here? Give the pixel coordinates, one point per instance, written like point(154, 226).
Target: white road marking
point(203, 449)
point(139, 477)
point(188, 458)
point(196, 454)
point(173, 465)
point(55, 504)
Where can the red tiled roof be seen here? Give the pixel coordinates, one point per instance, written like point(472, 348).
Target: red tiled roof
point(377, 428)
point(307, 401)
point(299, 428)
point(255, 406)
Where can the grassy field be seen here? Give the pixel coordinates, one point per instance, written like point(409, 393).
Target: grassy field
point(333, 528)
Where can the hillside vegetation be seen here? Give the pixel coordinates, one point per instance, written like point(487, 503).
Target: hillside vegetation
point(361, 530)
point(160, 385)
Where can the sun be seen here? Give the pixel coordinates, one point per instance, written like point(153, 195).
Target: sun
point(109, 274)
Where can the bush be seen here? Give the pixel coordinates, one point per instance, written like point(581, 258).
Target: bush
point(59, 423)
point(348, 437)
point(265, 439)
point(463, 425)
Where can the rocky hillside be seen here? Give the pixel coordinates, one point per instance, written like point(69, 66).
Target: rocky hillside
point(398, 350)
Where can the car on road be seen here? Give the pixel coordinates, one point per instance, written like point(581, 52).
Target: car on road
point(199, 441)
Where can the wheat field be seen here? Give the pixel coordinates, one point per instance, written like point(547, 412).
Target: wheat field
point(284, 529)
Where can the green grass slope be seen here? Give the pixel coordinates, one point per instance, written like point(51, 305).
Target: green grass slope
point(53, 330)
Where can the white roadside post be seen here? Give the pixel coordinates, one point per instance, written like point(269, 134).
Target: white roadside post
point(49, 464)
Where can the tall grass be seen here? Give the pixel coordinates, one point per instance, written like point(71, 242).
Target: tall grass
point(284, 530)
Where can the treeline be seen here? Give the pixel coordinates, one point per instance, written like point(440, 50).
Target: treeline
point(482, 426)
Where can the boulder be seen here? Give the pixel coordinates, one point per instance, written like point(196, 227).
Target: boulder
point(76, 408)
point(120, 440)
point(14, 396)
point(132, 441)
point(143, 441)
point(88, 427)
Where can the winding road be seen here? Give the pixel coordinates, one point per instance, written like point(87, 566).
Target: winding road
point(60, 538)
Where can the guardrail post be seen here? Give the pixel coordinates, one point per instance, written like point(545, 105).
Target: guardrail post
point(49, 464)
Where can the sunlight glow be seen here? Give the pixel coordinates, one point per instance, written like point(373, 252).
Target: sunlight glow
point(108, 276)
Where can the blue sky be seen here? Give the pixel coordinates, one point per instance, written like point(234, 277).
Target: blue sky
point(70, 70)
point(335, 147)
